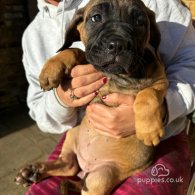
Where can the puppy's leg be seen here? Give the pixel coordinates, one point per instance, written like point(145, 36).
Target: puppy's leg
point(101, 182)
point(148, 115)
point(58, 66)
point(65, 165)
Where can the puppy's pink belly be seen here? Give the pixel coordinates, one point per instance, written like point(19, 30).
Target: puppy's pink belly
point(89, 163)
point(89, 158)
point(95, 150)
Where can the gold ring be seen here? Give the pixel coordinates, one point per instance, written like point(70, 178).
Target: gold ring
point(72, 95)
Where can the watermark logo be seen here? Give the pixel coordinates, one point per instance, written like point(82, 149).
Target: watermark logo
point(159, 174)
point(160, 170)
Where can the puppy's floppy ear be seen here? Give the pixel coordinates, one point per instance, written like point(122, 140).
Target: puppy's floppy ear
point(155, 35)
point(72, 33)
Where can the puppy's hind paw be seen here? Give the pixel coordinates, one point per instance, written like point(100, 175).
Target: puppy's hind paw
point(28, 175)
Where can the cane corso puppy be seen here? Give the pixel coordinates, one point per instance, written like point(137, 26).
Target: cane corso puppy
point(121, 39)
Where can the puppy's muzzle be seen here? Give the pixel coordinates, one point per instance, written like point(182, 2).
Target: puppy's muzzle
point(112, 48)
point(116, 45)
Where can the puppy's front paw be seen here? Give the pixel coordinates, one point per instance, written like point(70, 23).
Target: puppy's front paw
point(28, 175)
point(150, 138)
point(51, 74)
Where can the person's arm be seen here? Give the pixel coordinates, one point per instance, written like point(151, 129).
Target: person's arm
point(44, 107)
point(177, 50)
point(54, 111)
point(180, 72)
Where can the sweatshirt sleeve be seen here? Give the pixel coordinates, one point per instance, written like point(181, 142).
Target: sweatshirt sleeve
point(45, 109)
point(177, 50)
point(180, 73)
point(49, 114)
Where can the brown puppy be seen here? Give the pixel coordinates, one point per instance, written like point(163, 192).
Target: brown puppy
point(121, 39)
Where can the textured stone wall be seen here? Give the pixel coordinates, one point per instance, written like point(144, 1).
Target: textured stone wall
point(32, 8)
point(13, 21)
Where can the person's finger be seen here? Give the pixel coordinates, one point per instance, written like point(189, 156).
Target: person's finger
point(118, 99)
point(109, 134)
point(100, 126)
point(103, 117)
point(80, 70)
point(86, 90)
point(86, 80)
point(117, 121)
point(83, 101)
point(105, 125)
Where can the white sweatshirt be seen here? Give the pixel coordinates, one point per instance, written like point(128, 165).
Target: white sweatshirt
point(45, 35)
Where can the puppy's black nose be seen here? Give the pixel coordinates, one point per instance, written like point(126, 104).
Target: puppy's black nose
point(117, 46)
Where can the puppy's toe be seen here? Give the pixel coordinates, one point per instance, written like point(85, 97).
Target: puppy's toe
point(147, 142)
point(44, 83)
point(155, 141)
point(149, 139)
point(27, 176)
point(19, 180)
point(54, 81)
point(50, 81)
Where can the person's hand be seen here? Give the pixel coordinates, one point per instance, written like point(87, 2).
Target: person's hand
point(84, 85)
point(113, 121)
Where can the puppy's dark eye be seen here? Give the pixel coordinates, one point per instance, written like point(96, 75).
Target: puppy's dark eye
point(138, 17)
point(140, 20)
point(96, 18)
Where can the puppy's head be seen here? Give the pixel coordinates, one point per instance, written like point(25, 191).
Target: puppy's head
point(117, 34)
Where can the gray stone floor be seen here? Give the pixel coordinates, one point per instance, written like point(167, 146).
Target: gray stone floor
point(21, 142)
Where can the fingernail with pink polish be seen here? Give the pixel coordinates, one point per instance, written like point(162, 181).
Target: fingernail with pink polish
point(104, 80)
point(104, 97)
point(95, 93)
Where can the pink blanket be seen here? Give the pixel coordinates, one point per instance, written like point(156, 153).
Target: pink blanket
point(169, 174)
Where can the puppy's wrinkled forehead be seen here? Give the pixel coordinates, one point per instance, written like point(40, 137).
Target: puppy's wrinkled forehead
point(118, 6)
